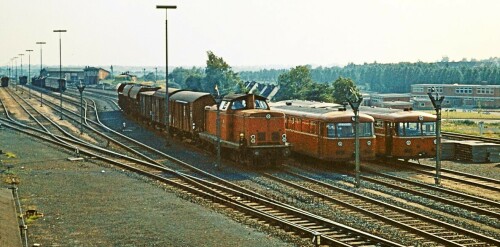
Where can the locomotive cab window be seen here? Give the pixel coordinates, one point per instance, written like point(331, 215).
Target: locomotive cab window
point(261, 104)
point(239, 104)
point(224, 104)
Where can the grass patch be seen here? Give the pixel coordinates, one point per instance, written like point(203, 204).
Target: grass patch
point(469, 127)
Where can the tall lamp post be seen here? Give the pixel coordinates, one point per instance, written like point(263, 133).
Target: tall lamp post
point(60, 69)
point(167, 120)
point(436, 102)
point(355, 101)
point(21, 55)
point(41, 68)
point(29, 72)
point(81, 87)
point(15, 78)
point(218, 100)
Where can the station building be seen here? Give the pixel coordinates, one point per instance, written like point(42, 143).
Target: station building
point(457, 96)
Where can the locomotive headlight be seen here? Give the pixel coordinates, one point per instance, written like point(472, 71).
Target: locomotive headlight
point(283, 137)
point(408, 142)
point(435, 141)
point(369, 143)
point(252, 138)
point(242, 136)
point(340, 144)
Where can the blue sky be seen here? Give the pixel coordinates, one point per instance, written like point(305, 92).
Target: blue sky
point(250, 33)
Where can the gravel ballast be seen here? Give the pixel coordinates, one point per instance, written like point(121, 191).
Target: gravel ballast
point(86, 204)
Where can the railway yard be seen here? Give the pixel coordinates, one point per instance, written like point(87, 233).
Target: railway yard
point(121, 184)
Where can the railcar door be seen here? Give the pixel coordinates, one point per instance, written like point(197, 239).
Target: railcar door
point(389, 130)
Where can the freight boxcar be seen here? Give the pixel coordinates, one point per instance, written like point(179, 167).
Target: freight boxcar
point(152, 106)
point(5, 81)
point(52, 83)
point(187, 111)
point(23, 80)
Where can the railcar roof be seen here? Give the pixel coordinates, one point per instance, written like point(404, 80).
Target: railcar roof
point(189, 96)
point(399, 115)
point(321, 113)
point(135, 90)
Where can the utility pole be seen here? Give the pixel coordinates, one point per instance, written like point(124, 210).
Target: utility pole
point(436, 102)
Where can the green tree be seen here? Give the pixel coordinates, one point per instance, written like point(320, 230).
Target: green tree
point(219, 73)
point(342, 88)
point(294, 84)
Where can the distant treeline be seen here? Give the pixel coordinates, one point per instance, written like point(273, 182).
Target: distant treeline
point(399, 77)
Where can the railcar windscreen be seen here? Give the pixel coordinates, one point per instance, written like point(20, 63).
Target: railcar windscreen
point(429, 128)
point(416, 129)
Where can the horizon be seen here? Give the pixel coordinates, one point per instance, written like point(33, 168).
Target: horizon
point(259, 33)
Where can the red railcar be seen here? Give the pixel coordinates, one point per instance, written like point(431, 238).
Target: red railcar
point(403, 134)
point(326, 131)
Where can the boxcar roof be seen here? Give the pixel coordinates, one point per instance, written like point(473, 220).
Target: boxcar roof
point(126, 89)
point(398, 115)
point(189, 96)
point(160, 93)
point(135, 90)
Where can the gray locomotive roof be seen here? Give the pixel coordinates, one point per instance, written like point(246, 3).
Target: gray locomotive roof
point(233, 96)
point(188, 96)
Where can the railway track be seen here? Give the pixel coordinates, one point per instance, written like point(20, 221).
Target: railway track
point(422, 229)
point(486, 211)
point(300, 222)
point(456, 136)
point(456, 176)
point(235, 194)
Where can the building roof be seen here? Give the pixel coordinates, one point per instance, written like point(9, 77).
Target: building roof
point(390, 95)
point(454, 85)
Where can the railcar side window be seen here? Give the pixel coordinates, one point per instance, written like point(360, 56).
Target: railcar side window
point(239, 104)
point(428, 128)
point(365, 129)
point(260, 104)
point(345, 130)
